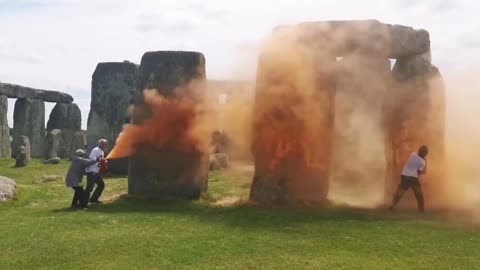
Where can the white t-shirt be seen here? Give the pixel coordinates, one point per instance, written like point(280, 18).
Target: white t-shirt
point(95, 167)
point(414, 164)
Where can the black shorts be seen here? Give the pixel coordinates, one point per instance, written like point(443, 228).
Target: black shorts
point(409, 181)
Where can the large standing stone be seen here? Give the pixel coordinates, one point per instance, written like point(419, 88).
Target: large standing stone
point(65, 116)
point(54, 139)
point(8, 189)
point(168, 172)
point(18, 91)
point(29, 120)
point(293, 122)
point(358, 158)
point(5, 148)
point(415, 116)
point(113, 91)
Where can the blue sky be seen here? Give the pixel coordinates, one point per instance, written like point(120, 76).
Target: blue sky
point(56, 44)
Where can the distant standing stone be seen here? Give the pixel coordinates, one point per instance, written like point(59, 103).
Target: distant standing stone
point(65, 116)
point(21, 152)
point(29, 120)
point(21, 157)
point(54, 138)
point(5, 150)
point(8, 188)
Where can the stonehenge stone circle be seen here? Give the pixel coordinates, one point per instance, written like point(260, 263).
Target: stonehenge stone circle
point(29, 118)
point(392, 99)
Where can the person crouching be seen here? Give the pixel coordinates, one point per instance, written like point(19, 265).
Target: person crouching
point(74, 177)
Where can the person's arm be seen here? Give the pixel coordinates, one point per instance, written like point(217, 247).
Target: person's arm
point(88, 161)
point(423, 168)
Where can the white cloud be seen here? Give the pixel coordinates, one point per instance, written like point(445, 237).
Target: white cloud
point(56, 44)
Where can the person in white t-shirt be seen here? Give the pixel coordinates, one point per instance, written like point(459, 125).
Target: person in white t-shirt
point(415, 166)
point(93, 176)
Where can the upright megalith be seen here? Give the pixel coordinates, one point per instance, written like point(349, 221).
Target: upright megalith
point(29, 121)
point(65, 116)
point(5, 148)
point(166, 167)
point(54, 139)
point(64, 121)
point(293, 121)
point(22, 151)
point(113, 90)
point(414, 116)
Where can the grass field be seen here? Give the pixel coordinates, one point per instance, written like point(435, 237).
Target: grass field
point(38, 231)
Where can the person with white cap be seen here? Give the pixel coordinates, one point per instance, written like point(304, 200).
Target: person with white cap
point(74, 177)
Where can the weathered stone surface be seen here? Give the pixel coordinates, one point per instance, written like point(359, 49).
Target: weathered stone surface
point(54, 138)
point(113, 91)
point(415, 116)
point(345, 37)
point(18, 91)
point(358, 157)
point(293, 123)
point(29, 120)
point(79, 141)
point(55, 160)
point(65, 116)
point(22, 152)
point(168, 172)
point(8, 189)
point(5, 148)
point(118, 166)
point(66, 145)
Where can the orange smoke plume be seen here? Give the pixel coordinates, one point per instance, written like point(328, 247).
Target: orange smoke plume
point(171, 121)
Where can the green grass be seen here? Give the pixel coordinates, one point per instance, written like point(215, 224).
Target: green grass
point(38, 231)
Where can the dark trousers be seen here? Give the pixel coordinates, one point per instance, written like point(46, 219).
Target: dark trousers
point(92, 179)
point(78, 197)
point(406, 183)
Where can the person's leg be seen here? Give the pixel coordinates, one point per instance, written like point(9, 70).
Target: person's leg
point(75, 198)
point(98, 191)
point(402, 187)
point(417, 190)
point(90, 184)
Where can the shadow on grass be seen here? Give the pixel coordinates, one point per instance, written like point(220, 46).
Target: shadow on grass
point(241, 215)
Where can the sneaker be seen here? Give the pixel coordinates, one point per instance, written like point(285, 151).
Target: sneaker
point(85, 208)
point(391, 209)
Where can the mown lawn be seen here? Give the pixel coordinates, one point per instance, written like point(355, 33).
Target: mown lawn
point(38, 231)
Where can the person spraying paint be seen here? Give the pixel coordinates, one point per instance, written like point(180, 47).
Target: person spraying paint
point(93, 173)
point(415, 166)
